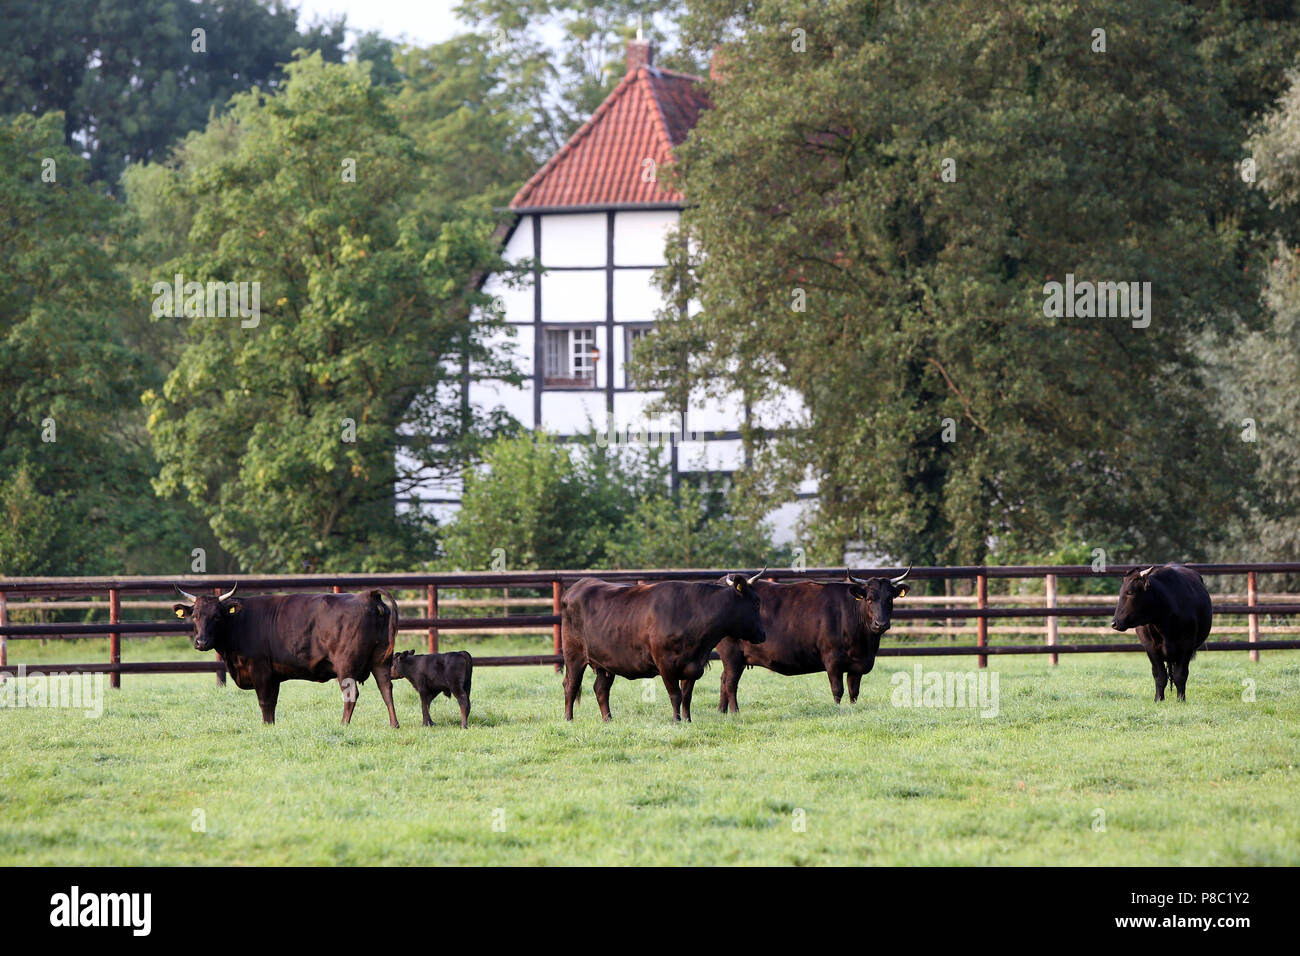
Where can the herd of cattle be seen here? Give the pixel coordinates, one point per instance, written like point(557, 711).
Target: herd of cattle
point(668, 630)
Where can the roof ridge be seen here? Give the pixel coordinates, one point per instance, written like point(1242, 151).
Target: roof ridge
point(678, 74)
point(665, 134)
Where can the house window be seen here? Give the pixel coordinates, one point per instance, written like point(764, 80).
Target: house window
point(569, 358)
point(635, 333)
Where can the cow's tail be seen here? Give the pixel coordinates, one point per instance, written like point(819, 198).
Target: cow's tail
point(469, 670)
point(387, 609)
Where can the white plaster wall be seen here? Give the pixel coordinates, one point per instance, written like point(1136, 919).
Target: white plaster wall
point(573, 239)
point(709, 414)
point(573, 297)
point(635, 297)
point(516, 303)
point(567, 413)
point(520, 244)
point(639, 236)
point(722, 455)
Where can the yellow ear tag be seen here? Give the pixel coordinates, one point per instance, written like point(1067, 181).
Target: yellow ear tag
point(231, 610)
point(740, 587)
point(902, 592)
point(180, 613)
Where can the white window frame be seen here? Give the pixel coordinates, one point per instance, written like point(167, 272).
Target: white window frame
point(581, 353)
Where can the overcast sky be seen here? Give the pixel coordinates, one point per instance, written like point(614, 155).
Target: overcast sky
point(421, 21)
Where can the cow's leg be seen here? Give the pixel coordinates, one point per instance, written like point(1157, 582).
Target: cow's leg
point(268, 692)
point(675, 695)
point(1178, 671)
point(855, 684)
point(687, 687)
point(837, 683)
point(462, 698)
point(351, 688)
point(730, 684)
point(604, 679)
point(425, 699)
point(385, 681)
point(1160, 673)
point(574, 668)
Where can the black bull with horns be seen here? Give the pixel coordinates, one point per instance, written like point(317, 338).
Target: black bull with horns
point(266, 640)
point(1172, 611)
point(667, 629)
point(814, 626)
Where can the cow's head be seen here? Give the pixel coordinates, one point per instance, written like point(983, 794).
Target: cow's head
point(1136, 601)
point(747, 622)
point(400, 664)
point(209, 615)
point(874, 598)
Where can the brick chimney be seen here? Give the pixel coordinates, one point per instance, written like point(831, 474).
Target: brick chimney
point(639, 52)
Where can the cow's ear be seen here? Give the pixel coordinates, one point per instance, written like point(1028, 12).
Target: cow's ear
point(900, 591)
point(234, 607)
point(740, 585)
point(182, 610)
point(858, 591)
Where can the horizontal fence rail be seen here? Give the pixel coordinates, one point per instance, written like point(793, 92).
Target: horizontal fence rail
point(436, 593)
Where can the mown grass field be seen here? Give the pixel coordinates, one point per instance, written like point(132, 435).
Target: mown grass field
point(1213, 781)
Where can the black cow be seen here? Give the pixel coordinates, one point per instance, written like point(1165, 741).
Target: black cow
point(1171, 609)
point(667, 629)
point(269, 639)
point(813, 626)
point(434, 674)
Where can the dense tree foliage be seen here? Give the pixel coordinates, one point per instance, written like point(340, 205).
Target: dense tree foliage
point(879, 199)
point(132, 76)
point(562, 87)
point(537, 503)
point(285, 429)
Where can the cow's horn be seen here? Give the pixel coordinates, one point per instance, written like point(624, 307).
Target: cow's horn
point(229, 594)
point(899, 579)
point(1147, 572)
point(192, 598)
point(756, 577)
point(730, 579)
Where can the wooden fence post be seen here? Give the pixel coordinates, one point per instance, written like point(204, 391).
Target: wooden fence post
point(431, 599)
point(1050, 588)
point(982, 627)
point(4, 638)
point(555, 609)
point(1252, 598)
point(114, 639)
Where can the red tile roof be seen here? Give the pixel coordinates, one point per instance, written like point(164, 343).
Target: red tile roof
point(603, 163)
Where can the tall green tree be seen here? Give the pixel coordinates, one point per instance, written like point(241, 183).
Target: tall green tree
point(565, 56)
point(455, 99)
point(878, 203)
point(1258, 373)
point(294, 433)
point(132, 76)
point(74, 478)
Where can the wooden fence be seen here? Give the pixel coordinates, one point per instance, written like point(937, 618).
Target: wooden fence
point(923, 624)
